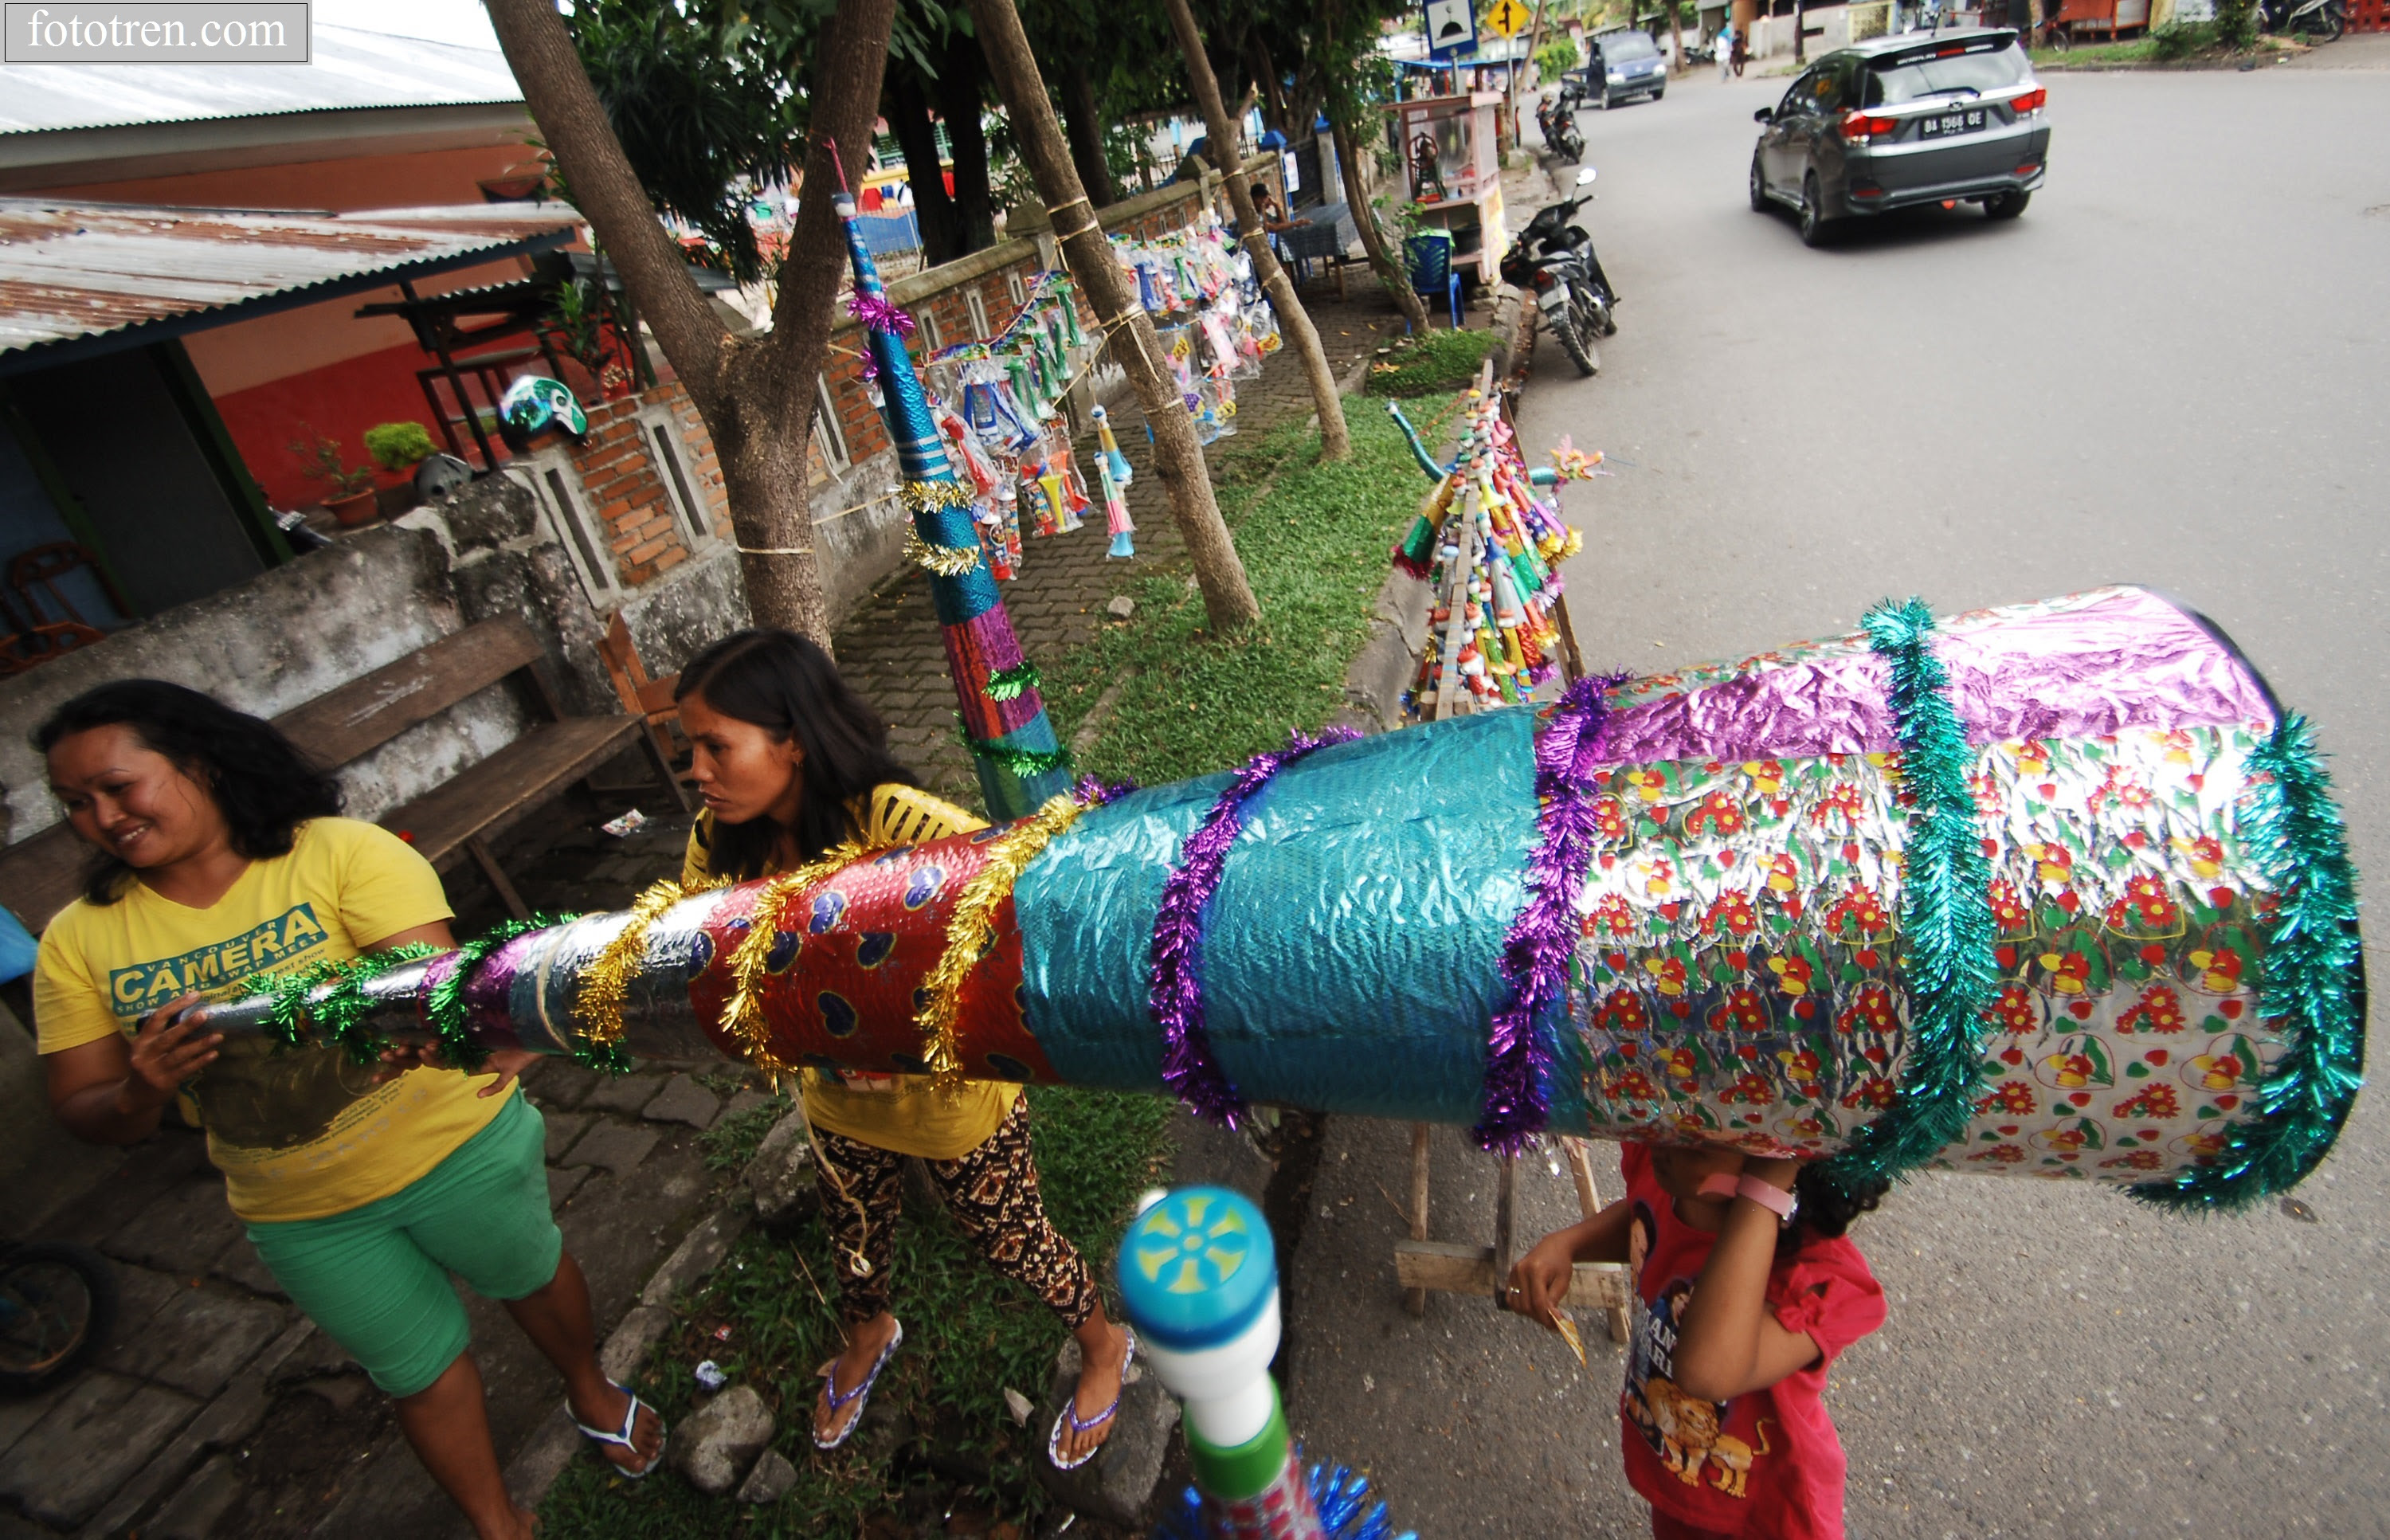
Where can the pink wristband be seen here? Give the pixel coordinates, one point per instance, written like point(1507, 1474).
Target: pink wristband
point(1717, 1183)
point(1775, 1200)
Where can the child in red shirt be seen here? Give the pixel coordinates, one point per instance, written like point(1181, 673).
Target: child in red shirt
point(1737, 1315)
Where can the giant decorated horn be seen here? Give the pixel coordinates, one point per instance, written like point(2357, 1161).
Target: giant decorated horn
point(2055, 890)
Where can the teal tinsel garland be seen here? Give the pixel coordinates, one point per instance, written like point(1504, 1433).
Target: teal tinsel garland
point(2310, 989)
point(336, 1015)
point(1009, 684)
point(1946, 912)
point(445, 1004)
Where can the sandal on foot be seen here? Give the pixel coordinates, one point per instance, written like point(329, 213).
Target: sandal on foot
point(839, 1400)
point(623, 1438)
point(1070, 1414)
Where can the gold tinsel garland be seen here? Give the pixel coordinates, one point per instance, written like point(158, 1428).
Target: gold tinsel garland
point(923, 496)
point(751, 959)
point(606, 982)
point(971, 929)
point(945, 560)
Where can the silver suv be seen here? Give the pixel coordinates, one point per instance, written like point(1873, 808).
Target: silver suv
point(1897, 121)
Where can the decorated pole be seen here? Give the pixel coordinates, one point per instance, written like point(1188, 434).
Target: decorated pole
point(2057, 890)
point(1021, 764)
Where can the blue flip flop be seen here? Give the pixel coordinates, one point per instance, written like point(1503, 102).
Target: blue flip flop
point(622, 1437)
point(839, 1400)
point(1071, 1413)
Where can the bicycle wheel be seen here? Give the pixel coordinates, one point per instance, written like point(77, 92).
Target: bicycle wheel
point(56, 1303)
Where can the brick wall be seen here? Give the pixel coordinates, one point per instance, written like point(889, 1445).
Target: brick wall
point(627, 490)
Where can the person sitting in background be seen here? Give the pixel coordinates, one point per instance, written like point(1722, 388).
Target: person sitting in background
point(221, 858)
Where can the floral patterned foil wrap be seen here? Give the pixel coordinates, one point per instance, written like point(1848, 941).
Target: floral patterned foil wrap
point(1740, 973)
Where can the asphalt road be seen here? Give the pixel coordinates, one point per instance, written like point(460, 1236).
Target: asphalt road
point(2172, 370)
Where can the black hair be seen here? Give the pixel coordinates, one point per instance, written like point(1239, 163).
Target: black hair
point(1828, 1204)
point(787, 685)
point(261, 782)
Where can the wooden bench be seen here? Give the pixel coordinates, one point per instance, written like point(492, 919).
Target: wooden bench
point(40, 876)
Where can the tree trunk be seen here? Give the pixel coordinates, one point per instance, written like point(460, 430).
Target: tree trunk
point(1274, 108)
point(961, 73)
point(908, 118)
point(756, 397)
point(1392, 273)
point(1335, 443)
point(1228, 602)
point(1085, 121)
point(1676, 36)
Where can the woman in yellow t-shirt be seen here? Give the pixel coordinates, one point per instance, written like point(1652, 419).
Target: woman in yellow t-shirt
point(219, 857)
point(791, 762)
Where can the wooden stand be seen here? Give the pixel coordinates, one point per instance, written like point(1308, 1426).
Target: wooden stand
point(1454, 1267)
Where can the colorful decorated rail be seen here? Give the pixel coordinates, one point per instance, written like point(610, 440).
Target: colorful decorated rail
point(2056, 889)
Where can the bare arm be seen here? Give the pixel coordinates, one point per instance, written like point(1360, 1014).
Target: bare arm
point(1543, 1275)
point(1729, 1343)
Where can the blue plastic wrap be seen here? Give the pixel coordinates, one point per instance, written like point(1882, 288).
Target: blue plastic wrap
point(1351, 956)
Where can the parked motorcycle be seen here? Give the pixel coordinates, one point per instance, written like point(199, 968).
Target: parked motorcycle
point(1554, 260)
point(1556, 116)
point(2325, 20)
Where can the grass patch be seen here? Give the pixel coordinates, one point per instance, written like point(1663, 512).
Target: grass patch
point(2193, 45)
point(1315, 539)
point(1430, 363)
point(969, 1334)
point(732, 1141)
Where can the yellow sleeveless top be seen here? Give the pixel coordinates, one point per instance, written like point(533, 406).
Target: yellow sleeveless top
point(904, 1113)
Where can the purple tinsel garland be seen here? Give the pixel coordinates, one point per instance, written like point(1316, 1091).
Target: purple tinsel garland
point(878, 313)
point(1176, 996)
point(1535, 952)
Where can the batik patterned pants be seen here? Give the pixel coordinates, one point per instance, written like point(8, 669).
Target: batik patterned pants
point(991, 1192)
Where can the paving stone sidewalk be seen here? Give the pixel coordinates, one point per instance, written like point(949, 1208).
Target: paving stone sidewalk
point(890, 649)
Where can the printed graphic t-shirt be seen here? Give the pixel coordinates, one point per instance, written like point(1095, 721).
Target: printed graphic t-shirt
point(1767, 1463)
point(905, 1113)
point(300, 1133)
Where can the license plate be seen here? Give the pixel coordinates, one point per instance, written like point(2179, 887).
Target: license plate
point(1942, 124)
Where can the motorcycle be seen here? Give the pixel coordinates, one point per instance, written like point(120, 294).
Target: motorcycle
point(1554, 260)
point(1556, 116)
point(2325, 18)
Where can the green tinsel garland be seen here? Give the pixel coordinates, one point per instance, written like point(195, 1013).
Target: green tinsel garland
point(1010, 684)
point(444, 1004)
point(2311, 988)
point(1021, 762)
point(301, 1017)
point(1946, 913)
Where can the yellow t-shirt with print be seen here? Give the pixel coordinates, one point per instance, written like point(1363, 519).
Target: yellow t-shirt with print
point(905, 1113)
point(298, 1133)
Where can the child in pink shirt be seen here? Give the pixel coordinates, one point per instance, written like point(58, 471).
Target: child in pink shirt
point(1745, 1290)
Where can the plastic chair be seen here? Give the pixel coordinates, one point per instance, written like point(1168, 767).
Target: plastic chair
point(1430, 255)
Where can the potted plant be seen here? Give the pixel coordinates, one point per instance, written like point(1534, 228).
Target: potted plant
point(399, 447)
point(349, 494)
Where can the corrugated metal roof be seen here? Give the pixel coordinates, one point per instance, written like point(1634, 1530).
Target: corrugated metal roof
point(351, 70)
point(73, 271)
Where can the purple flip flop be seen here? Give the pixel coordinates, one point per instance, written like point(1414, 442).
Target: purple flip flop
point(1070, 1414)
point(839, 1400)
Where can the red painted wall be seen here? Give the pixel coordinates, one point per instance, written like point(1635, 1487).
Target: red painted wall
point(339, 401)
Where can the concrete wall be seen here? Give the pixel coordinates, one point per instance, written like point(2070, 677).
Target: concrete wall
point(273, 643)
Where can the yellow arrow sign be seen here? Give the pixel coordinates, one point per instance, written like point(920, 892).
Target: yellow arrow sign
point(1507, 16)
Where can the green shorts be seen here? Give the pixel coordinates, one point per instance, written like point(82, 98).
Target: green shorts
point(376, 1279)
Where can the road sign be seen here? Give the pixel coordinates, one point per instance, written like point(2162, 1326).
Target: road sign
point(1508, 18)
point(1451, 29)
